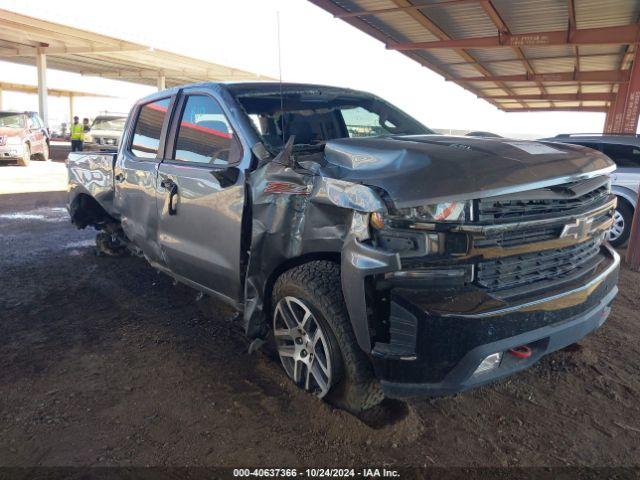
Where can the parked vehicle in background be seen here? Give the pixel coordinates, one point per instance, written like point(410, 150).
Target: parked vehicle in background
point(105, 132)
point(380, 258)
point(624, 150)
point(23, 136)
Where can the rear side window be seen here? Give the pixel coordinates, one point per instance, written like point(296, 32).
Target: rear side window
point(146, 136)
point(204, 134)
point(625, 156)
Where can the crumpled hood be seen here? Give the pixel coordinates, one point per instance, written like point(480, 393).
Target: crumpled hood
point(415, 170)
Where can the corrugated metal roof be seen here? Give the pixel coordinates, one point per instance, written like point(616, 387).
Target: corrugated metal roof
point(508, 43)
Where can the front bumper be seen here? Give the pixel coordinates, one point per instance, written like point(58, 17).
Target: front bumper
point(11, 152)
point(445, 335)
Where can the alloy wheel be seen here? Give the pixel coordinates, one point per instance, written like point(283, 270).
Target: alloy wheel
point(617, 228)
point(303, 346)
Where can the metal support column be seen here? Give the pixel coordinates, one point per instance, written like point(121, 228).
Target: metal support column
point(71, 108)
point(632, 101)
point(41, 65)
point(630, 126)
point(161, 81)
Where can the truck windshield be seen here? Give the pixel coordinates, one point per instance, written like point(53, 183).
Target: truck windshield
point(317, 115)
point(12, 120)
point(108, 123)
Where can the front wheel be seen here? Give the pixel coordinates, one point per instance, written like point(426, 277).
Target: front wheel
point(621, 228)
point(315, 341)
point(26, 156)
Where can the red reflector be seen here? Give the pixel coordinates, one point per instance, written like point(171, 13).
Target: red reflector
point(522, 351)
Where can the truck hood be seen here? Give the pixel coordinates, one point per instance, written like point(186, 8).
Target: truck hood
point(416, 170)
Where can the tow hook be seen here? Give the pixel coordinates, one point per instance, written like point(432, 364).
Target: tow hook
point(523, 351)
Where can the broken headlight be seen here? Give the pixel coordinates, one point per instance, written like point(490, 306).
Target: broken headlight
point(438, 212)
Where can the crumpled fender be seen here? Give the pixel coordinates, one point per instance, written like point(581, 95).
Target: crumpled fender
point(297, 212)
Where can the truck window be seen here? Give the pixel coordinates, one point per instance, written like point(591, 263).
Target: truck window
point(204, 134)
point(625, 156)
point(146, 136)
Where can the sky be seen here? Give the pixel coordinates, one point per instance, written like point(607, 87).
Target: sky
point(315, 48)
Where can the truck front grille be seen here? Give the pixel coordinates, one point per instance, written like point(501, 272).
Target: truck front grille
point(548, 202)
point(538, 267)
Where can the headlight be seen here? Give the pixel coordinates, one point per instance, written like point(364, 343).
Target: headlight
point(437, 212)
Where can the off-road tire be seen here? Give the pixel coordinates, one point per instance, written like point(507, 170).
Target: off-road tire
point(626, 210)
point(317, 284)
point(26, 156)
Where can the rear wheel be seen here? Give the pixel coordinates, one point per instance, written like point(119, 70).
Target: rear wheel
point(315, 341)
point(622, 220)
point(26, 156)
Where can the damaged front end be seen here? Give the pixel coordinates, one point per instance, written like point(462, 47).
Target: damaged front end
point(441, 295)
point(529, 270)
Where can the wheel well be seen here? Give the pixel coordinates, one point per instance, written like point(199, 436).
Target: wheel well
point(622, 200)
point(288, 265)
point(85, 210)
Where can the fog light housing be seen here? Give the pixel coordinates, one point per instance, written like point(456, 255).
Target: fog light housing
point(491, 362)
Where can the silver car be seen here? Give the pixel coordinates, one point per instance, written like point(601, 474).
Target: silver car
point(624, 150)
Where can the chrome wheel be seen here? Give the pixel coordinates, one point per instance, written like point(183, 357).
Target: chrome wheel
point(302, 346)
point(617, 228)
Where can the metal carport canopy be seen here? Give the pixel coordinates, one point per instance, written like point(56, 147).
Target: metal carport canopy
point(33, 41)
point(519, 55)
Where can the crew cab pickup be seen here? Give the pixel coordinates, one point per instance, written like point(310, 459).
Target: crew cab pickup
point(380, 258)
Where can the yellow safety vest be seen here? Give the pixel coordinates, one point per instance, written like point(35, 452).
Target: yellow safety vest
point(77, 131)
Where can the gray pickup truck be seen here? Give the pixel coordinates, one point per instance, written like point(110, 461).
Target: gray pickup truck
point(380, 258)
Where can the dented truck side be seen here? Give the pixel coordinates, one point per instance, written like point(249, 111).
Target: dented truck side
point(380, 258)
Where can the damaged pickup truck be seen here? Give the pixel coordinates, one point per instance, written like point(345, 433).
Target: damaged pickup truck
point(380, 258)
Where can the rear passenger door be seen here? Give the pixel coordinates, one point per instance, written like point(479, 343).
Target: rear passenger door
point(136, 174)
point(202, 200)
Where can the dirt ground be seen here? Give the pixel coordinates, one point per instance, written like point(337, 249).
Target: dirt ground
point(105, 362)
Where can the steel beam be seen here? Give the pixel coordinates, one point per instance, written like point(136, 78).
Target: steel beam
point(417, 6)
point(616, 76)
point(577, 97)
point(33, 51)
point(556, 109)
point(623, 35)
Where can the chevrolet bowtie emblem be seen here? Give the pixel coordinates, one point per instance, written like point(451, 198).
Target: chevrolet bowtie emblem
point(578, 229)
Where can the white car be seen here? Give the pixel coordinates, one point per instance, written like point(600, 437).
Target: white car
point(624, 150)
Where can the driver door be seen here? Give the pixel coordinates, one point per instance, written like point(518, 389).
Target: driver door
point(202, 200)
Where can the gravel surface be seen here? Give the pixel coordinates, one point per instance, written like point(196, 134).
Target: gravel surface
point(103, 361)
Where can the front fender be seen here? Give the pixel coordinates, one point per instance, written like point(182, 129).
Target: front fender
point(626, 193)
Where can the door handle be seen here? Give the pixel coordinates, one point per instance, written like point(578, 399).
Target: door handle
point(167, 184)
point(119, 177)
point(172, 188)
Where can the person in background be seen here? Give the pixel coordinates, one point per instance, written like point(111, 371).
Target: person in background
point(76, 132)
point(85, 125)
